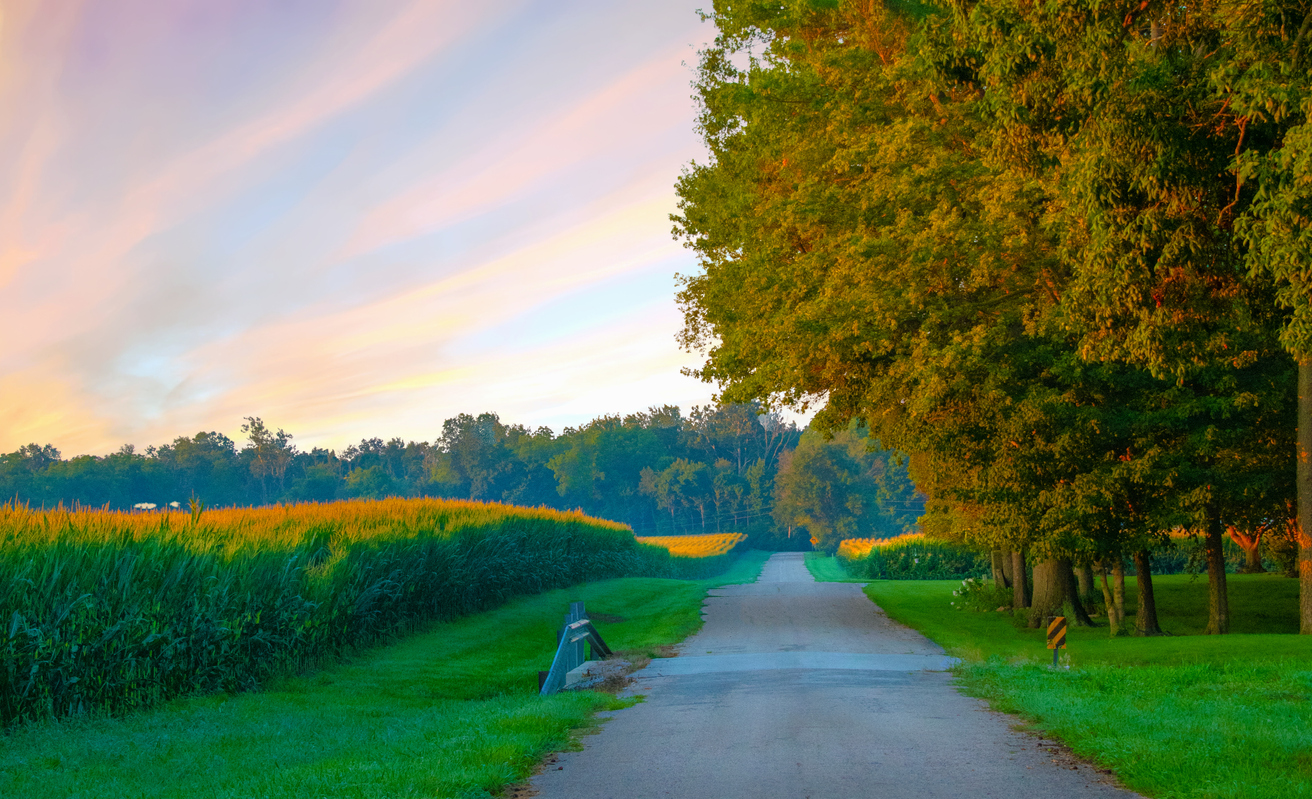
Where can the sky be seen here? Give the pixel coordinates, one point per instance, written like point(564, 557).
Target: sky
point(351, 218)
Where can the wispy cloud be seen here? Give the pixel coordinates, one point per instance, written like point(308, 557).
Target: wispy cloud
point(342, 227)
point(532, 154)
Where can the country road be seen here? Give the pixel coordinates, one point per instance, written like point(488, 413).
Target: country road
point(800, 689)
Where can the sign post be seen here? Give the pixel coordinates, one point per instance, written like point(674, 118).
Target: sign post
point(1056, 636)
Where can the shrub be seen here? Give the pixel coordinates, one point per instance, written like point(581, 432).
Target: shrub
point(980, 594)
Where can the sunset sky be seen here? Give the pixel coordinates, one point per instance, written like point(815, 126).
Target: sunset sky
point(348, 217)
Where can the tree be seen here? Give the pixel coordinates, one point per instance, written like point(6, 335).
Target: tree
point(320, 483)
point(843, 487)
point(372, 482)
point(475, 463)
point(206, 466)
point(270, 453)
point(1263, 72)
point(683, 485)
point(931, 231)
point(1148, 125)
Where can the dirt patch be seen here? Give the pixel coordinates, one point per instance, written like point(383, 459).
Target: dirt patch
point(612, 675)
point(1057, 752)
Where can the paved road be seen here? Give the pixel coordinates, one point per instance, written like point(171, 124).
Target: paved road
point(800, 689)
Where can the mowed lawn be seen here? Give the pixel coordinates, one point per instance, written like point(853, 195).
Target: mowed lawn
point(1183, 715)
point(451, 711)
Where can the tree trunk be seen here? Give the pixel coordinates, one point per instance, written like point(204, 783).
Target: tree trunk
point(1251, 545)
point(1218, 600)
point(1000, 580)
point(1253, 558)
point(1054, 586)
point(1047, 592)
point(1008, 567)
point(1113, 618)
point(1304, 479)
point(1145, 621)
point(1020, 595)
point(1084, 575)
point(1118, 588)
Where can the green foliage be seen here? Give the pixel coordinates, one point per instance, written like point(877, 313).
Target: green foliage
point(1004, 236)
point(108, 612)
point(368, 483)
point(1264, 609)
point(844, 487)
point(1188, 556)
point(980, 595)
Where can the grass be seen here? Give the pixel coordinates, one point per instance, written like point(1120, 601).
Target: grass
point(1184, 716)
point(450, 712)
point(826, 569)
point(1268, 633)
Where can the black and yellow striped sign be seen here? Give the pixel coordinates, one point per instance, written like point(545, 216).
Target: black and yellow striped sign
point(1057, 633)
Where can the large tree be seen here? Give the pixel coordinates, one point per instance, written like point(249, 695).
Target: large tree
point(858, 251)
point(1175, 137)
point(926, 230)
point(1265, 72)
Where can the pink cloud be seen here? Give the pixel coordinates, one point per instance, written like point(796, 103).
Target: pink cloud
point(104, 270)
point(604, 122)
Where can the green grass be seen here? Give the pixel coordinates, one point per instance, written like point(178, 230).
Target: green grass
point(826, 569)
point(1259, 604)
point(1180, 717)
point(452, 711)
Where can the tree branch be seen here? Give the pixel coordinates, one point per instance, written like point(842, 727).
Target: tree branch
point(1302, 37)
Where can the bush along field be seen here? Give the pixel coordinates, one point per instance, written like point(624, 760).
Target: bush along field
point(1179, 716)
point(910, 556)
point(107, 612)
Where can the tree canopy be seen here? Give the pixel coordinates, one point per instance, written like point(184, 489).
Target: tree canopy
point(1054, 252)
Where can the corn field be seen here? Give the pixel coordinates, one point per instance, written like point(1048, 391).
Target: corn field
point(910, 556)
point(696, 546)
point(107, 612)
point(854, 548)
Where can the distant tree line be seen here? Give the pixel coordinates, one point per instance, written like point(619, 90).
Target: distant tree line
point(733, 468)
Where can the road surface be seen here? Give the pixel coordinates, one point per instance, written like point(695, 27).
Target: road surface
point(797, 689)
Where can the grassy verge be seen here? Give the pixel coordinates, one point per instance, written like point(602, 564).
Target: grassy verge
point(450, 712)
point(1179, 717)
point(826, 569)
